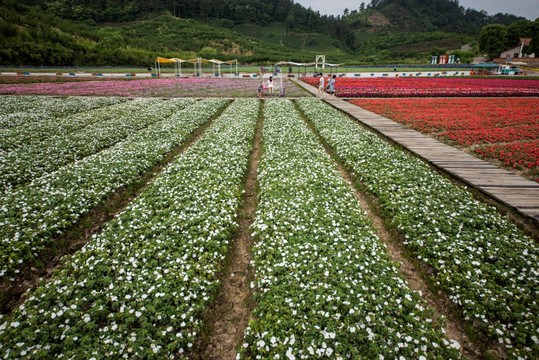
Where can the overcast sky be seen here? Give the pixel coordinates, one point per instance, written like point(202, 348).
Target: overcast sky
point(527, 8)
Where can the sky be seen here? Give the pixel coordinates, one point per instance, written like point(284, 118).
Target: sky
point(526, 8)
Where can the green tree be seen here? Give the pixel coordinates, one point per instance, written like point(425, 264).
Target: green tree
point(518, 29)
point(109, 38)
point(534, 45)
point(207, 52)
point(492, 39)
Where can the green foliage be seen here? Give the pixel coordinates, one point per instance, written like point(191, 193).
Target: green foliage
point(495, 38)
point(405, 46)
point(444, 15)
point(534, 45)
point(110, 39)
point(520, 29)
point(252, 31)
point(492, 39)
point(465, 56)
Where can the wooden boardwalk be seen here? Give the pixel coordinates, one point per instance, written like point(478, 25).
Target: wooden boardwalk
point(506, 187)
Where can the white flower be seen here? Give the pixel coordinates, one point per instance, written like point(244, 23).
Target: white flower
point(289, 354)
point(329, 351)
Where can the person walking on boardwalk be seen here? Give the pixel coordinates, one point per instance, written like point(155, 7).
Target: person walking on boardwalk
point(321, 87)
point(331, 86)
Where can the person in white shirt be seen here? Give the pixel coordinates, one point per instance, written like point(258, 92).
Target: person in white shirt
point(271, 87)
point(321, 87)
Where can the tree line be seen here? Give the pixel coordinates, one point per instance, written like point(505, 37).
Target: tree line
point(226, 13)
point(446, 15)
point(495, 38)
point(434, 15)
point(108, 32)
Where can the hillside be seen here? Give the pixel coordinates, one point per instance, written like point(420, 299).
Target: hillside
point(437, 15)
point(31, 37)
point(134, 32)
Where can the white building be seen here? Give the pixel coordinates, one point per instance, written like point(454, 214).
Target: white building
point(516, 52)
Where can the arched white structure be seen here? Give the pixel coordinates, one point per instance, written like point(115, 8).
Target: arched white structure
point(320, 62)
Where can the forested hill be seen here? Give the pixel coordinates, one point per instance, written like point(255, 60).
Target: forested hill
point(425, 15)
point(437, 15)
point(133, 32)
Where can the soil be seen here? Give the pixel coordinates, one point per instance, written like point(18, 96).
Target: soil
point(229, 315)
point(13, 293)
point(378, 19)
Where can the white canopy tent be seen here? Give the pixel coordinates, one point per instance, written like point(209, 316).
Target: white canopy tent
point(281, 63)
point(197, 65)
point(218, 63)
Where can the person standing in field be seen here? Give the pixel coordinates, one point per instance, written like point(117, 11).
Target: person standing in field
point(331, 86)
point(321, 87)
point(271, 87)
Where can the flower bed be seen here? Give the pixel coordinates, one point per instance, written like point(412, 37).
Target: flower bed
point(510, 121)
point(484, 263)
point(45, 152)
point(139, 289)
point(162, 87)
point(431, 87)
point(27, 79)
point(520, 155)
point(23, 110)
point(35, 126)
point(325, 286)
point(34, 214)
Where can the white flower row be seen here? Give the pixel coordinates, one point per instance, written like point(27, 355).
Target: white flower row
point(34, 214)
point(109, 126)
point(47, 125)
point(140, 287)
point(486, 265)
point(325, 286)
point(23, 110)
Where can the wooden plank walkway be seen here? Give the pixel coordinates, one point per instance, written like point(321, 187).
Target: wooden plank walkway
point(506, 187)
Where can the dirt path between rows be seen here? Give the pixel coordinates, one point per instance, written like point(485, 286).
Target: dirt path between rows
point(229, 315)
point(439, 303)
point(13, 293)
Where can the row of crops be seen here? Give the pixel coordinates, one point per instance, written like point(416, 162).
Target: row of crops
point(324, 284)
point(33, 214)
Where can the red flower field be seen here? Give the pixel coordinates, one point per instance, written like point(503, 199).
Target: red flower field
point(504, 129)
point(431, 87)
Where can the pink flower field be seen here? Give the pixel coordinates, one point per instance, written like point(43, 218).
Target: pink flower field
point(162, 87)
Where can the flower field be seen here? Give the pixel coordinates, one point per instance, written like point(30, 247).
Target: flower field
point(34, 213)
point(503, 129)
point(431, 87)
point(140, 287)
point(26, 79)
point(485, 264)
point(18, 110)
point(41, 152)
point(161, 87)
point(324, 285)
